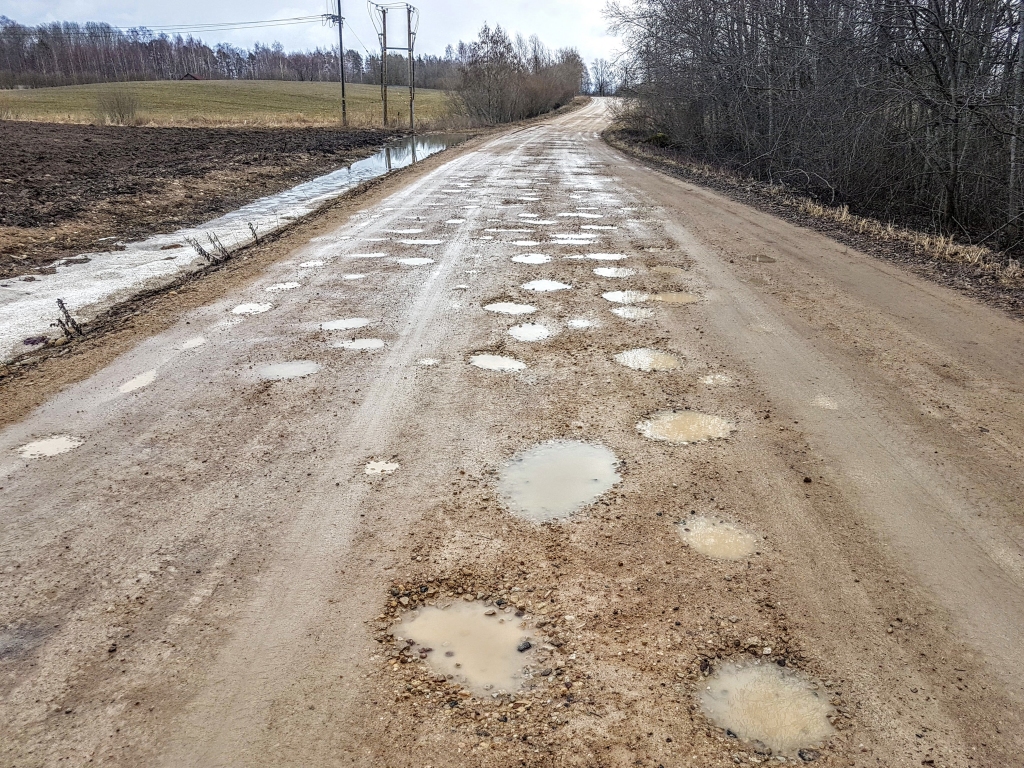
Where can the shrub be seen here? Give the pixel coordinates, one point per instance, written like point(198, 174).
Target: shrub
point(118, 107)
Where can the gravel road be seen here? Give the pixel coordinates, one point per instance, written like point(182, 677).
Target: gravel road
point(211, 570)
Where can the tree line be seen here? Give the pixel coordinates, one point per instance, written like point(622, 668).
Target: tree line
point(906, 109)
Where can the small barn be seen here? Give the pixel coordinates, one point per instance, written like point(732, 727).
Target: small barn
point(189, 76)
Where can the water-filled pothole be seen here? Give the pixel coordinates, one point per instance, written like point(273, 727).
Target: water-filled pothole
point(140, 381)
point(675, 298)
point(762, 259)
point(359, 345)
point(381, 468)
point(497, 363)
point(685, 427)
point(626, 297)
point(580, 323)
point(665, 269)
point(510, 308)
point(49, 446)
point(717, 539)
point(290, 286)
point(634, 313)
point(606, 256)
point(532, 258)
point(552, 480)
point(529, 332)
point(768, 704)
point(648, 360)
point(352, 277)
point(416, 261)
point(251, 309)
point(614, 272)
point(477, 645)
point(294, 369)
point(541, 286)
point(347, 324)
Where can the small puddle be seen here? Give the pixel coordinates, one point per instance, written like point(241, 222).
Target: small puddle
point(49, 446)
point(140, 381)
point(532, 258)
point(606, 256)
point(359, 345)
point(496, 363)
point(251, 309)
point(664, 269)
point(347, 324)
point(198, 341)
point(282, 287)
point(552, 480)
point(626, 297)
point(768, 704)
point(428, 362)
point(529, 332)
point(381, 468)
point(526, 243)
point(634, 313)
point(365, 255)
point(762, 259)
point(580, 323)
point(717, 539)
point(352, 277)
point(614, 272)
point(416, 262)
point(291, 370)
point(685, 427)
point(312, 264)
point(648, 360)
point(472, 643)
point(542, 286)
point(508, 308)
point(675, 298)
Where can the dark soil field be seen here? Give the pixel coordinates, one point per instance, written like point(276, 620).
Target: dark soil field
point(71, 189)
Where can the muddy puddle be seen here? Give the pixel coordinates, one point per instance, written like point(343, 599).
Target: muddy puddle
point(347, 324)
point(294, 369)
point(531, 258)
point(140, 381)
point(359, 345)
point(648, 360)
point(626, 297)
point(544, 286)
point(634, 313)
point(717, 539)
point(664, 269)
point(497, 363)
point(510, 308)
point(675, 298)
point(251, 309)
point(762, 259)
point(685, 427)
point(553, 480)
point(614, 272)
point(472, 643)
point(49, 446)
point(530, 332)
point(768, 704)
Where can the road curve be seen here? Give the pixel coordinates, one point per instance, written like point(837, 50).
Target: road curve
point(208, 575)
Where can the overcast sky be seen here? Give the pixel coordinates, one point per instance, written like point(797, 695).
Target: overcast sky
point(559, 23)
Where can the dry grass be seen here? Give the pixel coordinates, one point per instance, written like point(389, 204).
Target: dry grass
point(931, 246)
point(229, 103)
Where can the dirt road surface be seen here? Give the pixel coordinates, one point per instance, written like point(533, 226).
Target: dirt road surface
point(210, 578)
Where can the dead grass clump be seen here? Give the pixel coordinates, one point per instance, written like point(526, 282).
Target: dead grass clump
point(118, 107)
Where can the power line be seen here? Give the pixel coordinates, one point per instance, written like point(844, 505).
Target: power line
point(174, 29)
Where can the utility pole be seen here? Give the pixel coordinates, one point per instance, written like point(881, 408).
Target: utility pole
point(379, 14)
point(412, 70)
point(341, 65)
point(384, 61)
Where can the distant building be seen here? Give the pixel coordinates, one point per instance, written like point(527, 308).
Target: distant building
point(189, 76)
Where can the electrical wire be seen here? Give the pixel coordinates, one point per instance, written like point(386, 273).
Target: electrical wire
point(180, 29)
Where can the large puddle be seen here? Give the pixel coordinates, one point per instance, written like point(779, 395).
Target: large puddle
point(295, 369)
point(648, 360)
point(49, 446)
point(768, 704)
point(497, 363)
point(685, 427)
point(472, 643)
point(717, 539)
point(626, 297)
point(509, 308)
point(552, 480)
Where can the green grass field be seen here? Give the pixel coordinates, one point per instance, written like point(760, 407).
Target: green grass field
point(227, 103)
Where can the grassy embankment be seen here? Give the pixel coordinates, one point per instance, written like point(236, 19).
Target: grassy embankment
point(255, 103)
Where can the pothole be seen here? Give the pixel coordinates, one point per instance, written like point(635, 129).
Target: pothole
point(542, 286)
point(529, 332)
point(198, 341)
point(579, 323)
point(552, 480)
point(352, 277)
point(482, 647)
point(510, 308)
point(665, 269)
point(648, 360)
point(359, 345)
point(49, 446)
point(625, 297)
point(717, 539)
point(685, 427)
point(614, 272)
point(347, 324)
point(421, 261)
point(634, 313)
point(294, 369)
point(312, 264)
point(767, 704)
point(532, 258)
point(381, 468)
point(762, 259)
point(675, 298)
point(428, 362)
point(291, 286)
point(140, 381)
point(251, 309)
point(606, 256)
point(497, 363)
